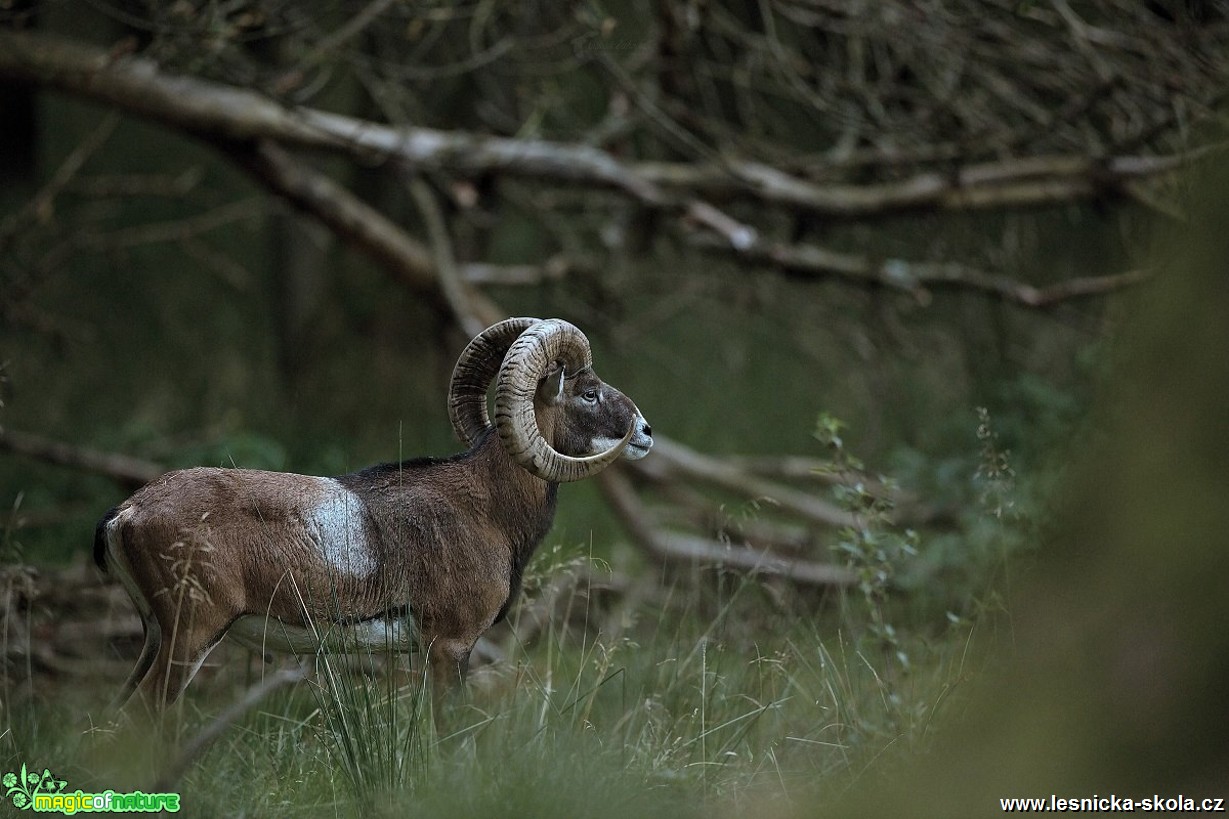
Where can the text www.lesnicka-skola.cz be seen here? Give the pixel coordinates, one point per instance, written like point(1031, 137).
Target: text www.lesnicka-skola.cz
point(1148, 804)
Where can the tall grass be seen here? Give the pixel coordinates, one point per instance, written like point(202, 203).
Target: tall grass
point(689, 708)
point(375, 734)
point(739, 696)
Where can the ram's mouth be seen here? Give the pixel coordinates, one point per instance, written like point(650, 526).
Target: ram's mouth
point(635, 451)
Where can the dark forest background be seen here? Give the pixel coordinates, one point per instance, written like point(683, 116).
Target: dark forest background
point(878, 274)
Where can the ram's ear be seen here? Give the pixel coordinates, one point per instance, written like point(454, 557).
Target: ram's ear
point(550, 390)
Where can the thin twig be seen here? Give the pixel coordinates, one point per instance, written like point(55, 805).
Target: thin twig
point(41, 204)
point(460, 299)
point(174, 230)
point(351, 29)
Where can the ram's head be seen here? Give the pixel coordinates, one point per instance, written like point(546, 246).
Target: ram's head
point(554, 415)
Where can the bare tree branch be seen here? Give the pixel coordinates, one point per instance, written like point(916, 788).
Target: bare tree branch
point(238, 119)
point(914, 277)
point(139, 86)
point(357, 223)
point(1013, 183)
point(553, 269)
point(352, 219)
point(112, 186)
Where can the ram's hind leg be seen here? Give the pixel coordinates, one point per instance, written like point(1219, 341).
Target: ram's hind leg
point(185, 644)
point(153, 640)
point(119, 568)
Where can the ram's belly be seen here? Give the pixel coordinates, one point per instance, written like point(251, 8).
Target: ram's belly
point(392, 633)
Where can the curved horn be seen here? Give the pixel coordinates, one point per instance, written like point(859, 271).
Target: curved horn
point(515, 420)
point(476, 366)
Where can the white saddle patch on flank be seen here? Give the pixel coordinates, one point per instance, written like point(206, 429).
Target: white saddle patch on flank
point(337, 526)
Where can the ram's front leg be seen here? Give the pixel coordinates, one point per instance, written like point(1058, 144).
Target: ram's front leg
point(448, 661)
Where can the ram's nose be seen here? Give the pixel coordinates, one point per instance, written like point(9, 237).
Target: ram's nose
point(641, 442)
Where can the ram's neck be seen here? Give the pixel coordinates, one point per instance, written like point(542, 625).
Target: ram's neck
point(522, 505)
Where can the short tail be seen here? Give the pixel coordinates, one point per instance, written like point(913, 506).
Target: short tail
point(100, 539)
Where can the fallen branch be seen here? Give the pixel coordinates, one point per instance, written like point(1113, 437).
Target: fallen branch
point(124, 469)
point(671, 459)
point(692, 508)
point(172, 230)
point(675, 547)
point(690, 548)
point(197, 745)
point(534, 613)
point(254, 130)
point(803, 468)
